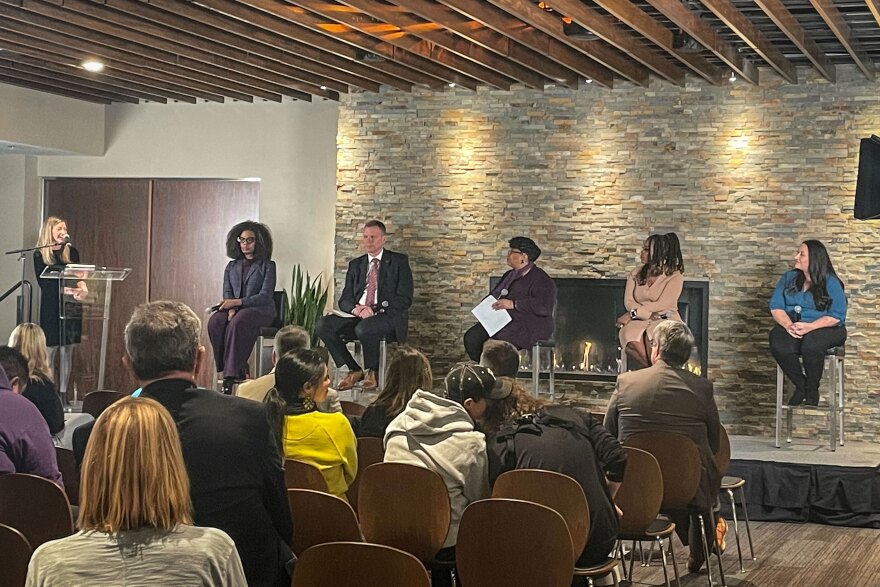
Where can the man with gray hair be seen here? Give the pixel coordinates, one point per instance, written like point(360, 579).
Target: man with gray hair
point(666, 397)
point(236, 479)
point(289, 338)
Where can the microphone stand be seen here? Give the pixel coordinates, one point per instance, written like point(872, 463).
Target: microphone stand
point(22, 255)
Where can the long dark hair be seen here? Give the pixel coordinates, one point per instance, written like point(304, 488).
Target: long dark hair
point(293, 372)
point(664, 257)
point(262, 246)
point(408, 371)
point(820, 268)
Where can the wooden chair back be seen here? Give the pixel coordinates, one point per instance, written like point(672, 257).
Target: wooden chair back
point(405, 507)
point(641, 492)
point(679, 460)
point(34, 506)
point(352, 408)
point(96, 402)
point(303, 475)
point(370, 451)
point(558, 492)
point(15, 551)
point(69, 474)
point(513, 542)
point(356, 564)
point(722, 457)
point(319, 518)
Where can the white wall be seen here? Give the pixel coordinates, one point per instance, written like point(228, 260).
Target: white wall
point(290, 146)
point(43, 120)
point(17, 180)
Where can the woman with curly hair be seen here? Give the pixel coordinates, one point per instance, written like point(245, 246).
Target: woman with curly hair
point(247, 305)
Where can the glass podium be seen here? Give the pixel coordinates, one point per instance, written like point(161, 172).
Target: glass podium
point(84, 310)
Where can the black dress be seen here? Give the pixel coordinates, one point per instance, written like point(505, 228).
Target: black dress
point(50, 319)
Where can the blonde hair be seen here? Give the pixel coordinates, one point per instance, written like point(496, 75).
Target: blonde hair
point(133, 474)
point(46, 239)
point(30, 340)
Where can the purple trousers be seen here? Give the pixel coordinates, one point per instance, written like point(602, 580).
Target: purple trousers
point(233, 340)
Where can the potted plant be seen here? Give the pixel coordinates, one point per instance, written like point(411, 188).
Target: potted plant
point(308, 298)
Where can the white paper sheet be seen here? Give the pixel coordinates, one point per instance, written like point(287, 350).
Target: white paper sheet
point(342, 314)
point(491, 319)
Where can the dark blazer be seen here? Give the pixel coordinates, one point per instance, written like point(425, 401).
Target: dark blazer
point(236, 479)
point(532, 320)
point(664, 399)
point(259, 285)
point(395, 293)
point(43, 395)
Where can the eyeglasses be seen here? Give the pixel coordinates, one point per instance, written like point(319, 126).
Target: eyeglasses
point(247, 240)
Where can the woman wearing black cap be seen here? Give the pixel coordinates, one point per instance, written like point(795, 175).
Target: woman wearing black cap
point(527, 293)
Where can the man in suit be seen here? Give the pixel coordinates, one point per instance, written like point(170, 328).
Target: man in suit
point(233, 461)
point(378, 293)
point(665, 397)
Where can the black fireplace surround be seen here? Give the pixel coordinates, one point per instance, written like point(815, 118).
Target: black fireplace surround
point(587, 346)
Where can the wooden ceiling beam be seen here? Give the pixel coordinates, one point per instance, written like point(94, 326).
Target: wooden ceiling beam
point(754, 38)
point(22, 72)
point(550, 48)
point(433, 33)
point(302, 41)
point(835, 21)
point(796, 33)
point(644, 24)
point(486, 37)
point(426, 49)
point(66, 57)
point(605, 28)
point(874, 7)
point(597, 50)
point(147, 19)
point(76, 74)
point(425, 69)
point(71, 20)
point(41, 38)
point(52, 89)
point(703, 33)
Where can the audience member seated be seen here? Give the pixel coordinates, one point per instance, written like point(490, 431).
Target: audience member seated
point(305, 434)
point(438, 434)
point(552, 438)
point(651, 295)
point(666, 397)
point(25, 442)
point(408, 372)
point(135, 515)
point(30, 341)
point(809, 307)
point(236, 477)
point(289, 338)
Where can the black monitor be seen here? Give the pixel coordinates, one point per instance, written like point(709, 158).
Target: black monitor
point(867, 204)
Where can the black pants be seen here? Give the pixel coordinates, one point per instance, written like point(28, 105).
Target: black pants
point(474, 339)
point(789, 351)
point(335, 331)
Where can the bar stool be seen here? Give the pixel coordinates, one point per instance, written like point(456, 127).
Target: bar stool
point(266, 339)
point(383, 362)
point(834, 359)
point(549, 345)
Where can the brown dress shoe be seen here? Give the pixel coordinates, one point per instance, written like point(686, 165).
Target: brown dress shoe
point(350, 380)
point(370, 381)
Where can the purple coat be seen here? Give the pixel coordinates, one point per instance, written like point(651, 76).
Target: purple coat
point(534, 295)
point(25, 442)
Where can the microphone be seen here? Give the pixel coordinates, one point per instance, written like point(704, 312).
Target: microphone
point(504, 292)
point(797, 313)
point(65, 238)
point(213, 308)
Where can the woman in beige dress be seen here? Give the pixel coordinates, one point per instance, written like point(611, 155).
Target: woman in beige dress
point(652, 293)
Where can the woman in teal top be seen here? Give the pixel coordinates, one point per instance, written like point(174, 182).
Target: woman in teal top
point(809, 306)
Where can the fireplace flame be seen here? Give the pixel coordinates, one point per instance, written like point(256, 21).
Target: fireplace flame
point(694, 368)
point(585, 365)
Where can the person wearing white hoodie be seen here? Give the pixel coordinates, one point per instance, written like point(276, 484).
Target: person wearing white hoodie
point(438, 433)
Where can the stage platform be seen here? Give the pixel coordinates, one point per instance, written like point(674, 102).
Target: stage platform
point(806, 482)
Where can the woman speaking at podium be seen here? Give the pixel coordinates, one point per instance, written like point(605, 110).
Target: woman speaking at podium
point(56, 251)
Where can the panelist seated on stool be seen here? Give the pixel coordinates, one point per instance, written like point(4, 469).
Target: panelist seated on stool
point(378, 293)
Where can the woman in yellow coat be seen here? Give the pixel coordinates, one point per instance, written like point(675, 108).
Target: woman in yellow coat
point(305, 434)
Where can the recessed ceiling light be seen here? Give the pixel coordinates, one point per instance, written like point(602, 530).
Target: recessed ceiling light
point(93, 65)
point(452, 85)
point(323, 87)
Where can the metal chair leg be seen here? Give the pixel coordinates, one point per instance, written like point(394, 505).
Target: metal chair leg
point(840, 404)
point(674, 564)
point(832, 403)
point(716, 550)
point(779, 385)
point(663, 556)
point(383, 363)
point(739, 551)
point(553, 377)
point(536, 368)
point(742, 497)
point(706, 554)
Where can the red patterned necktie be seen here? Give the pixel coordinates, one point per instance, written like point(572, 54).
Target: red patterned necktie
point(372, 282)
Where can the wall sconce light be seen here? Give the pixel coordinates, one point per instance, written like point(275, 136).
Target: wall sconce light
point(732, 77)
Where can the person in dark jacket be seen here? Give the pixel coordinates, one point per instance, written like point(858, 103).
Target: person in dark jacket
point(30, 341)
point(408, 372)
point(527, 293)
point(579, 447)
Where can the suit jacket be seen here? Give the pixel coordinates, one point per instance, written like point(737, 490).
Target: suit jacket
point(665, 399)
point(259, 285)
point(236, 478)
point(395, 293)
